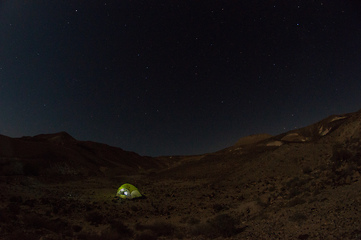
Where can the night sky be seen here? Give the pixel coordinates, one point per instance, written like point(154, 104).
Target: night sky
point(176, 77)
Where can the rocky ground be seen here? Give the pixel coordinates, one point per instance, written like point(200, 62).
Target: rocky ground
point(308, 187)
point(319, 203)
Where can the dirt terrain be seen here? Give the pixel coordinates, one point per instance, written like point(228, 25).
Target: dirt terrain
point(303, 184)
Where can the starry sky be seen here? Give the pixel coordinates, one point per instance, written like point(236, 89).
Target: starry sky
point(176, 77)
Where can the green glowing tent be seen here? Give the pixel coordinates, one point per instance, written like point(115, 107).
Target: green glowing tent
point(128, 191)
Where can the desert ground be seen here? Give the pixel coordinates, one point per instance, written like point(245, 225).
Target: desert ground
point(303, 184)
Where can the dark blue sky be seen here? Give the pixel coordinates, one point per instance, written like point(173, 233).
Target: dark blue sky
point(176, 77)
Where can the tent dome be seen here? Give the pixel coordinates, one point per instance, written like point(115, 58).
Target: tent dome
point(128, 191)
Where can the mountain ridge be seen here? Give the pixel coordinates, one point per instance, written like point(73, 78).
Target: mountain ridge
point(301, 184)
point(63, 149)
point(60, 153)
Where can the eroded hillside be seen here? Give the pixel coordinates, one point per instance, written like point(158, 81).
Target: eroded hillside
point(303, 184)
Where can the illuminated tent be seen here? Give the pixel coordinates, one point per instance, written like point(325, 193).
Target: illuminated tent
point(128, 191)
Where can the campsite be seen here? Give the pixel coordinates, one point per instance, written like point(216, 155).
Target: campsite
point(178, 120)
point(302, 184)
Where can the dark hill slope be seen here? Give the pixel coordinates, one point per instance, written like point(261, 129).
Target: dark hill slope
point(59, 153)
point(286, 154)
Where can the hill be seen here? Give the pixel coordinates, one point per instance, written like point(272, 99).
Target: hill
point(301, 184)
point(61, 154)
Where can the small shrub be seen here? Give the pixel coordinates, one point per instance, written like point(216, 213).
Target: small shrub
point(298, 217)
point(14, 208)
point(349, 170)
point(222, 225)
point(77, 228)
point(158, 228)
point(35, 221)
point(121, 228)
point(263, 204)
point(303, 237)
point(89, 236)
point(219, 207)
point(112, 234)
point(225, 225)
point(307, 170)
point(95, 218)
point(24, 235)
point(146, 235)
point(56, 225)
point(203, 229)
point(6, 216)
point(30, 202)
point(339, 156)
point(356, 159)
point(107, 234)
point(296, 182)
point(40, 221)
point(193, 221)
point(12, 168)
point(16, 199)
point(295, 192)
point(316, 191)
point(356, 234)
point(31, 169)
point(296, 201)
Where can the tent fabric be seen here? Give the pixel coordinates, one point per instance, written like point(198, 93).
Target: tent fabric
point(128, 191)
